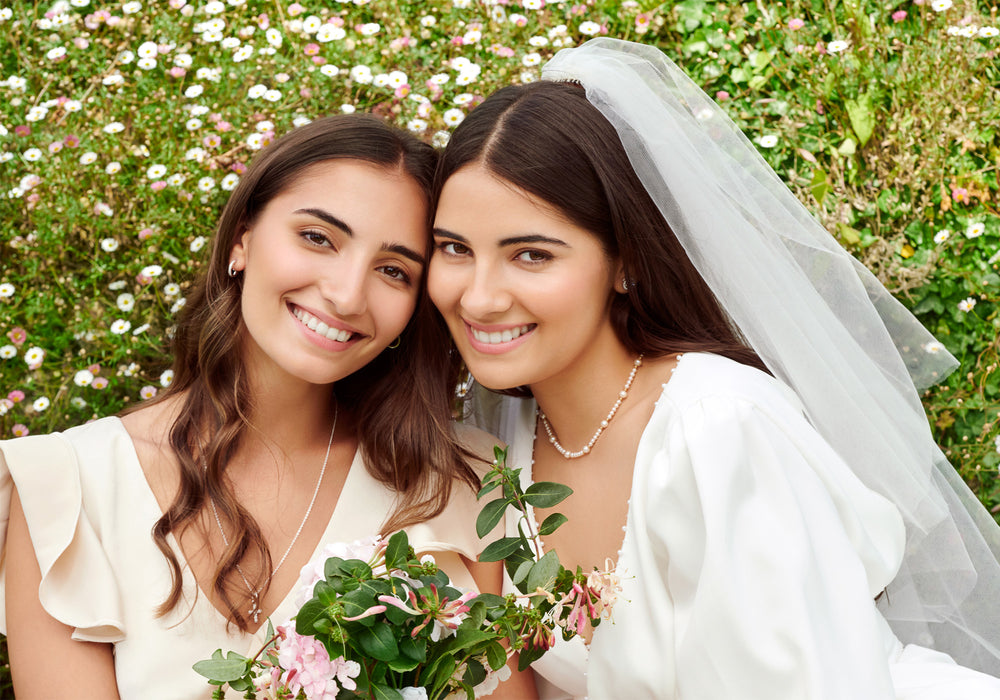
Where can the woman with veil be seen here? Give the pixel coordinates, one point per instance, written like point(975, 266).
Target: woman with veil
point(732, 397)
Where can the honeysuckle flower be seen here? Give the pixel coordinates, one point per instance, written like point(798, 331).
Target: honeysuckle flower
point(967, 304)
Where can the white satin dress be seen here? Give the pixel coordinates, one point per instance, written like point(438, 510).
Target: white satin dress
point(750, 562)
point(90, 511)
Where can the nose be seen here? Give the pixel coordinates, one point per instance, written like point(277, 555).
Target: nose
point(346, 287)
point(486, 293)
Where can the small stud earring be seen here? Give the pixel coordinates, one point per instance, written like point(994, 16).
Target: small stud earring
point(624, 284)
point(232, 268)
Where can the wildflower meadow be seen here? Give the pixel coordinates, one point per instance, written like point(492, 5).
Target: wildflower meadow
point(124, 125)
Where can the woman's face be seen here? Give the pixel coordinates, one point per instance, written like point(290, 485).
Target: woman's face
point(526, 294)
point(331, 268)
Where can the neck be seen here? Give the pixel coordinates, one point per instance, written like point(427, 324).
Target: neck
point(577, 400)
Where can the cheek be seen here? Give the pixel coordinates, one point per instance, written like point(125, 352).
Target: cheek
point(440, 286)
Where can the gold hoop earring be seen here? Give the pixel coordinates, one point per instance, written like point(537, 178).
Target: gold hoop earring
point(396, 343)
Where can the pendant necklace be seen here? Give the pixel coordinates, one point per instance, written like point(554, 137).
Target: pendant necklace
point(622, 395)
point(255, 609)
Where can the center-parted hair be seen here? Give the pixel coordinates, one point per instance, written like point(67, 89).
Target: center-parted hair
point(548, 140)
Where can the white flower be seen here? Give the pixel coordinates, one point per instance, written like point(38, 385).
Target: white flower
point(538, 41)
point(428, 21)
point(590, 28)
point(112, 167)
point(120, 326)
point(130, 8)
point(194, 91)
point(440, 78)
point(243, 53)
point(417, 126)
point(34, 356)
point(183, 60)
point(171, 289)
point(837, 46)
point(151, 271)
point(768, 141)
point(6, 290)
point(156, 171)
point(125, 301)
point(166, 378)
point(330, 32)
point(8, 351)
point(88, 158)
point(56, 53)
point(148, 49)
point(265, 126)
point(273, 37)
point(77, 402)
point(198, 110)
point(942, 235)
point(381, 80)
point(197, 153)
point(256, 91)
point(197, 244)
point(214, 7)
point(300, 120)
point(966, 305)
point(440, 139)
point(83, 377)
point(109, 245)
point(272, 95)
point(146, 63)
point(933, 347)
point(453, 117)
point(141, 329)
point(114, 128)
point(329, 70)
point(531, 59)
point(968, 31)
point(206, 184)
point(131, 370)
point(347, 108)
point(126, 57)
point(361, 74)
point(116, 285)
point(40, 404)
point(255, 142)
point(73, 106)
point(988, 32)
point(32, 155)
point(193, 124)
point(229, 182)
point(370, 29)
point(975, 229)
point(941, 5)
point(178, 305)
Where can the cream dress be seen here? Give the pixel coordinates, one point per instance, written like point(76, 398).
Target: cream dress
point(90, 512)
point(750, 562)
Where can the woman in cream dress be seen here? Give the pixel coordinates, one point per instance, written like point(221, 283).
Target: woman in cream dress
point(729, 394)
point(309, 405)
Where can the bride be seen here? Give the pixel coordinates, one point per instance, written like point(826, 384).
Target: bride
point(732, 398)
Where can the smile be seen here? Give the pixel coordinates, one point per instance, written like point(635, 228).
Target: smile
point(314, 324)
point(497, 337)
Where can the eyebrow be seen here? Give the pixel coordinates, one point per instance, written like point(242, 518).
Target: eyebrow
point(397, 248)
point(512, 240)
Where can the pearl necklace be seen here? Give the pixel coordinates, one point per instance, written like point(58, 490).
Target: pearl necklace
point(622, 395)
point(255, 609)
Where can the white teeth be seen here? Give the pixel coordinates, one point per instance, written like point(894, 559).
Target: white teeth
point(497, 337)
point(315, 324)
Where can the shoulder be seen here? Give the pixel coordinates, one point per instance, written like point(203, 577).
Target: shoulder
point(78, 439)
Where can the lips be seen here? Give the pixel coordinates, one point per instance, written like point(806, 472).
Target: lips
point(339, 335)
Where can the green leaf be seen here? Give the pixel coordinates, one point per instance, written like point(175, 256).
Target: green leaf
point(489, 516)
point(522, 572)
point(223, 670)
point(546, 494)
point(307, 615)
point(379, 642)
point(848, 235)
point(847, 148)
point(474, 672)
point(820, 184)
point(380, 691)
point(415, 649)
point(502, 548)
point(496, 655)
point(489, 485)
point(862, 115)
point(397, 551)
point(543, 573)
point(551, 524)
point(515, 560)
point(500, 455)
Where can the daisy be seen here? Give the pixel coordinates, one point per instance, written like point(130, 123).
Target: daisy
point(975, 230)
point(156, 171)
point(934, 347)
point(417, 126)
point(99, 383)
point(33, 357)
point(273, 37)
point(590, 28)
point(114, 128)
point(147, 392)
point(229, 182)
point(197, 244)
point(120, 326)
point(113, 167)
point(7, 352)
point(6, 290)
point(32, 155)
point(125, 301)
point(428, 21)
point(361, 74)
point(942, 235)
point(243, 53)
point(109, 245)
point(77, 402)
point(941, 5)
point(966, 305)
point(347, 108)
point(141, 329)
point(272, 95)
point(206, 184)
point(166, 378)
point(40, 404)
point(768, 141)
point(193, 124)
point(20, 430)
point(329, 70)
point(178, 305)
point(171, 289)
point(88, 158)
point(130, 8)
point(837, 46)
point(453, 117)
point(330, 32)
point(83, 378)
point(151, 271)
point(987, 32)
point(256, 91)
point(56, 53)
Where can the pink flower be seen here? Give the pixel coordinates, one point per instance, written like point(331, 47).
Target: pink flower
point(796, 23)
point(99, 383)
point(22, 130)
point(20, 430)
point(223, 125)
point(17, 335)
point(960, 194)
point(721, 96)
point(72, 141)
point(81, 43)
point(308, 668)
point(145, 233)
point(177, 72)
point(311, 49)
point(212, 141)
point(402, 91)
point(899, 15)
point(158, 185)
point(94, 368)
point(16, 396)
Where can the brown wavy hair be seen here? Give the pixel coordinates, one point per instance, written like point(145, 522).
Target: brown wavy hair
point(547, 139)
point(400, 400)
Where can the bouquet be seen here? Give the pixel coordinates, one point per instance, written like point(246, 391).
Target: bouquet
point(378, 623)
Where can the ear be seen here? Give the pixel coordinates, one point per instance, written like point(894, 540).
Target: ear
point(240, 250)
point(618, 282)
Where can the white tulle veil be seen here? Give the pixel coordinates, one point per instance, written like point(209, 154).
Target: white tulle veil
point(820, 321)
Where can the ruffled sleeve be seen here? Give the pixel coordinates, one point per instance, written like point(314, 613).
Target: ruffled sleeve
point(78, 586)
point(753, 556)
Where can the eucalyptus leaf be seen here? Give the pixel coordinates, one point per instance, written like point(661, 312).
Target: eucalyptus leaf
point(546, 494)
point(223, 670)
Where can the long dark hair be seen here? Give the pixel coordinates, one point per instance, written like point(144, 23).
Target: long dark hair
point(547, 139)
point(400, 401)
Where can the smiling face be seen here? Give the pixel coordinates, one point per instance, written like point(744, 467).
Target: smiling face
point(525, 293)
point(331, 270)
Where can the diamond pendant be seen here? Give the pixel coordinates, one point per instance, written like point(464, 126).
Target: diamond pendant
point(254, 610)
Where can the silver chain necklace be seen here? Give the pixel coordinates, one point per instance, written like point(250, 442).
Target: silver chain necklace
point(255, 609)
point(622, 395)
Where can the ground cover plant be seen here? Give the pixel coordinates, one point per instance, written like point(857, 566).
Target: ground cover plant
point(123, 125)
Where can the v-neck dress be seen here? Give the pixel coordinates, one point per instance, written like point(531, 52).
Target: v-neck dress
point(90, 513)
point(750, 561)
